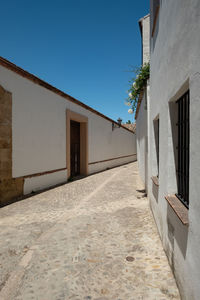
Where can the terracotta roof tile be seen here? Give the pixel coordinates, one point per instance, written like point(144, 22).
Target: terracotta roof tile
point(131, 126)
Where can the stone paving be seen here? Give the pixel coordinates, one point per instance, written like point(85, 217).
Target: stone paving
point(91, 239)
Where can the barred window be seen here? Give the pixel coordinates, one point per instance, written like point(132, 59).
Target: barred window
point(183, 126)
point(156, 123)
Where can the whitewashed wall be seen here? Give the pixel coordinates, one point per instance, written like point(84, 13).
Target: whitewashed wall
point(175, 66)
point(142, 116)
point(142, 139)
point(145, 22)
point(39, 133)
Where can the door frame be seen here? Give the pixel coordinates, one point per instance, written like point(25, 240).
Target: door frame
point(71, 115)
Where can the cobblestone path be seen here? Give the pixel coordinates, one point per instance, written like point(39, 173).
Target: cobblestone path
point(91, 239)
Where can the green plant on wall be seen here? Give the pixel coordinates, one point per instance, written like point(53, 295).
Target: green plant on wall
point(137, 84)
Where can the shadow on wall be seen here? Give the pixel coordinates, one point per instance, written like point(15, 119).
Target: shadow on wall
point(155, 22)
point(176, 232)
point(155, 191)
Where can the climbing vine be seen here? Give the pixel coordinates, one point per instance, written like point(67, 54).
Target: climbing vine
point(136, 86)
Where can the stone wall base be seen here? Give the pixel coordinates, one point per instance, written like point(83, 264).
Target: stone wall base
point(10, 188)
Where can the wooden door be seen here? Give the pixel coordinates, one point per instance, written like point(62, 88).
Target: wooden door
point(75, 148)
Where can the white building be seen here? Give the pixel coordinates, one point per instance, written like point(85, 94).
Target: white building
point(141, 113)
point(173, 130)
point(46, 136)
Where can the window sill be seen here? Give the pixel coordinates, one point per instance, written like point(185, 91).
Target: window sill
point(155, 180)
point(180, 210)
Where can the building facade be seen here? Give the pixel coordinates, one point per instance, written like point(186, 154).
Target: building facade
point(173, 122)
point(47, 136)
point(141, 115)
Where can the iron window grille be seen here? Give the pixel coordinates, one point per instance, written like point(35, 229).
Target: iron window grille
point(156, 124)
point(183, 148)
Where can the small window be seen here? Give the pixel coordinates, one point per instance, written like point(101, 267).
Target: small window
point(155, 12)
point(183, 130)
point(156, 4)
point(156, 133)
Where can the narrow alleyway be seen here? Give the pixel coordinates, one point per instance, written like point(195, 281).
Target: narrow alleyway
point(92, 239)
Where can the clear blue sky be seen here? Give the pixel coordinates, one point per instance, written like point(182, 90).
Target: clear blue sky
point(83, 47)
